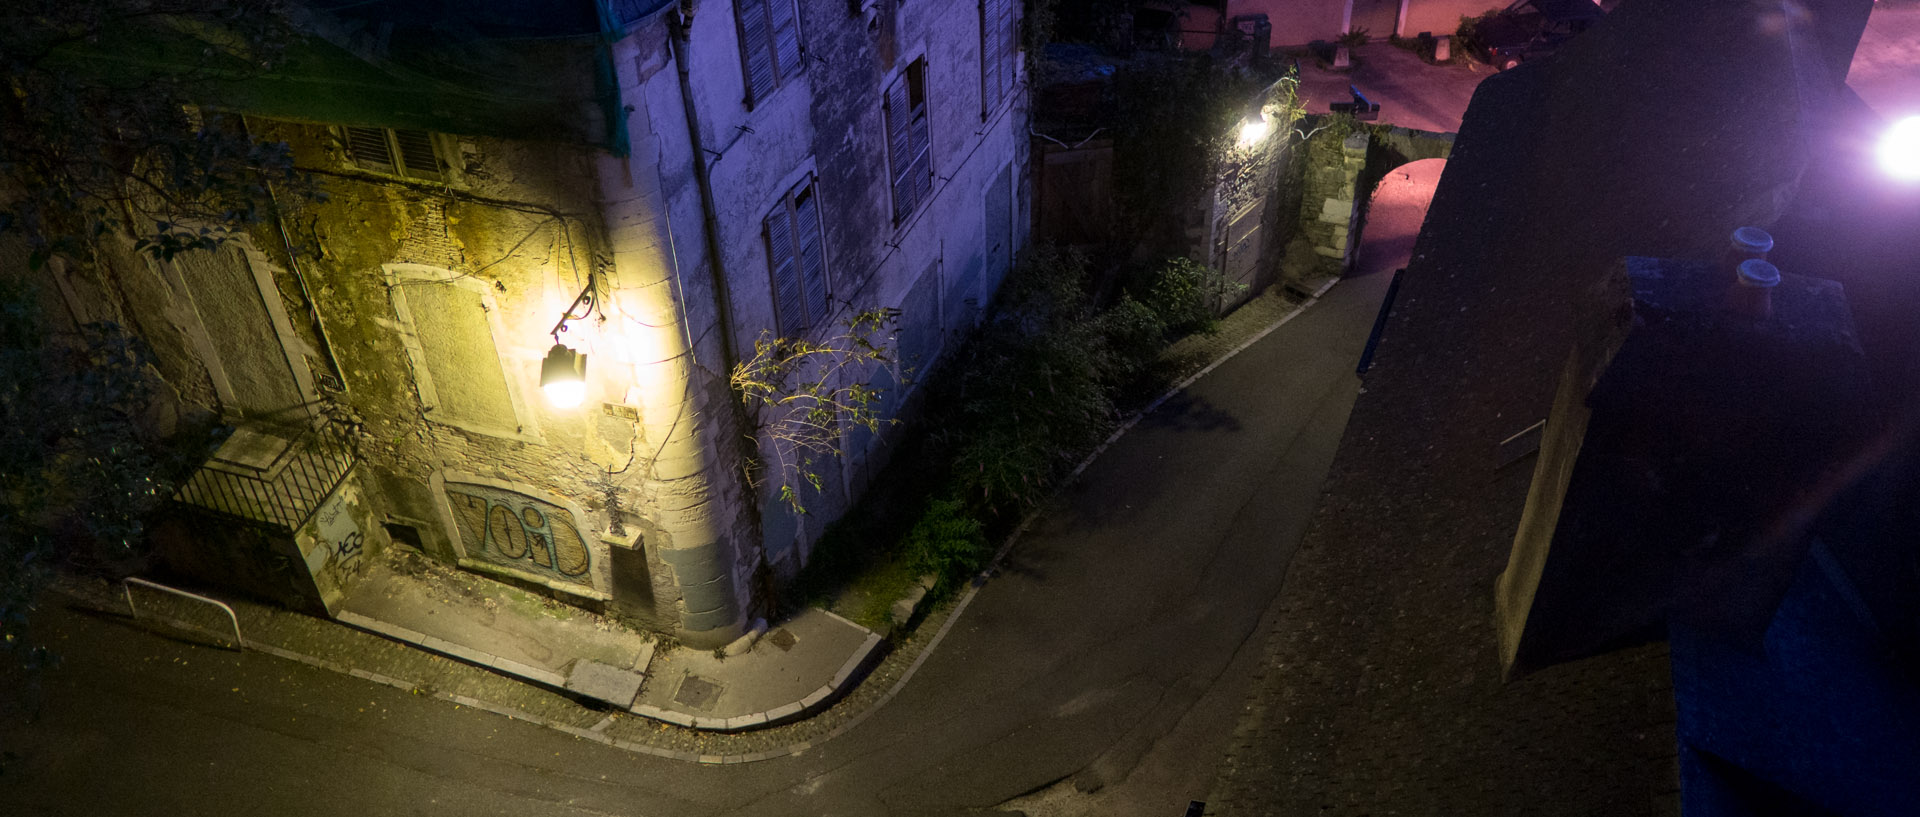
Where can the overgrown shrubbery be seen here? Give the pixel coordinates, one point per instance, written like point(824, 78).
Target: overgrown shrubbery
point(1466, 38)
point(78, 469)
point(1171, 117)
point(1187, 296)
point(1013, 411)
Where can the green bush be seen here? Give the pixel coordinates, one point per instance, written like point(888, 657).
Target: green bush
point(1466, 38)
point(1010, 414)
point(947, 542)
point(1186, 296)
point(1032, 390)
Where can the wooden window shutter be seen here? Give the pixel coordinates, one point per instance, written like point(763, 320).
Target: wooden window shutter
point(786, 37)
point(756, 48)
point(813, 261)
point(369, 149)
point(789, 303)
point(996, 48)
point(417, 156)
point(899, 156)
point(919, 135)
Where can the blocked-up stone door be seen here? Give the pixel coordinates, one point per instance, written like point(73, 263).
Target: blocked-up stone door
point(230, 308)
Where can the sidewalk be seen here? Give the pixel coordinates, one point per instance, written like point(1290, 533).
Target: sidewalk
point(789, 673)
point(420, 626)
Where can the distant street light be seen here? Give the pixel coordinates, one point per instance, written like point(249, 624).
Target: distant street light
point(1900, 149)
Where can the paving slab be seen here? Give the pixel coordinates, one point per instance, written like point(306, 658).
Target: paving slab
point(473, 618)
point(794, 661)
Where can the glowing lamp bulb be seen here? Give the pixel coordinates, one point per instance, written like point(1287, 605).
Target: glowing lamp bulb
point(1253, 128)
point(563, 377)
point(1900, 149)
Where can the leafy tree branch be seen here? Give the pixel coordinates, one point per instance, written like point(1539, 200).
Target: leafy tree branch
point(805, 394)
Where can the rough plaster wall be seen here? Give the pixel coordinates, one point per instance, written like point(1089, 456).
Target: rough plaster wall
point(698, 530)
point(516, 218)
point(753, 156)
point(933, 263)
point(229, 302)
point(850, 150)
point(158, 314)
point(831, 118)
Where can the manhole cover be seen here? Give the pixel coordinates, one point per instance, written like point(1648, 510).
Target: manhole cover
point(782, 639)
point(697, 692)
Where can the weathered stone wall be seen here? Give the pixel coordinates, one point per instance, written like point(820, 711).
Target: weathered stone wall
point(1329, 197)
point(436, 300)
point(1254, 200)
point(1343, 162)
point(827, 124)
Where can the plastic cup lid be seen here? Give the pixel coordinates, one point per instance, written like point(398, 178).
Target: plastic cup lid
point(1757, 273)
point(1752, 239)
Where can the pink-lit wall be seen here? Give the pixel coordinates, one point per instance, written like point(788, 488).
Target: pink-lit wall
point(1298, 22)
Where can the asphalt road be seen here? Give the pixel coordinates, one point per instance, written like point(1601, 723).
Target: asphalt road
point(1111, 656)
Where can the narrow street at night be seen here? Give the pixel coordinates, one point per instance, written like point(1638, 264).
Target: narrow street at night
point(1112, 651)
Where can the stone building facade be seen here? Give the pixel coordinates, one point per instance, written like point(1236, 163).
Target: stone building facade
point(760, 169)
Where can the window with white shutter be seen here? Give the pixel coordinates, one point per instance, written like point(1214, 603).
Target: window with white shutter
point(797, 259)
point(999, 52)
point(414, 154)
point(909, 140)
point(769, 44)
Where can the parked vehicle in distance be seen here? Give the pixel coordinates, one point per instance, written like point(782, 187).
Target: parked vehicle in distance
point(1529, 29)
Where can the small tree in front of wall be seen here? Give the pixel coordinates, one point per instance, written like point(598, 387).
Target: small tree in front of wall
point(805, 394)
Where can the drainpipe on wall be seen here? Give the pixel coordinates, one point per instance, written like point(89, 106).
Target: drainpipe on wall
point(693, 486)
point(677, 42)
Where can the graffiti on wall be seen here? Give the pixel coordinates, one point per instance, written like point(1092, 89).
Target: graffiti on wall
point(512, 529)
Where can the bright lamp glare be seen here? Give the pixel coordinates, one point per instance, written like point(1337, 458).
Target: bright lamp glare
point(563, 376)
point(1253, 129)
point(565, 394)
point(1900, 149)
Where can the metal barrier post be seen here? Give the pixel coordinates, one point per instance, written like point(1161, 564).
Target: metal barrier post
point(128, 583)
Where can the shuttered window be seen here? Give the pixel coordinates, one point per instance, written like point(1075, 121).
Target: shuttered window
point(999, 48)
point(797, 259)
point(402, 152)
point(908, 141)
point(769, 44)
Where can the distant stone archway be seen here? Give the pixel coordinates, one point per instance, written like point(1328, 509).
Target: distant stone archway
point(1397, 206)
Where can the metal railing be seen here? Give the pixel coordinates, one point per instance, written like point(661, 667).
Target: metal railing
point(283, 494)
point(127, 584)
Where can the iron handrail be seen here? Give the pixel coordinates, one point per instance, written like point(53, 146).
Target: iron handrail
point(127, 584)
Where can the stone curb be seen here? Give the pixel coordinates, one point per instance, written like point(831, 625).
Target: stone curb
point(785, 713)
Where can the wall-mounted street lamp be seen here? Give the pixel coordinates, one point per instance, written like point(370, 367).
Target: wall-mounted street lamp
point(1254, 126)
point(563, 375)
point(1900, 149)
